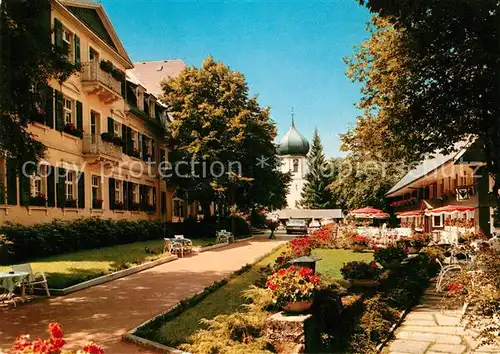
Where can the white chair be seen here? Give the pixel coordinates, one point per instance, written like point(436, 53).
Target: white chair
point(173, 247)
point(33, 278)
point(443, 271)
point(179, 237)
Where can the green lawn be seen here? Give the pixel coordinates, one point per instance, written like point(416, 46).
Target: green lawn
point(332, 260)
point(73, 268)
point(224, 300)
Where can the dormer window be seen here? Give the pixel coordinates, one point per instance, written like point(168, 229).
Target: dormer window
point(140, 99)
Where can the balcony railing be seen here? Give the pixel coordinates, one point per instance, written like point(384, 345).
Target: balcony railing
point(91, 71)
point(93, 145)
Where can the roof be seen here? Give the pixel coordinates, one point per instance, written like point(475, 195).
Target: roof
point(427, 166)
point(309, 213)
point(150, 74)
point(293, 143)
point(94, 17)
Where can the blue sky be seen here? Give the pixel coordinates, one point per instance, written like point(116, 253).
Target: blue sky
point(290, 52)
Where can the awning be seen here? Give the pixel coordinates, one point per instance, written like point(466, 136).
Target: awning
point(410, 214)
point(450, 209)
point(381, 216)
point(365, 211)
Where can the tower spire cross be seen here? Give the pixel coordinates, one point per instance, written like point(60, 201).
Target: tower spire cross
point(293, 115)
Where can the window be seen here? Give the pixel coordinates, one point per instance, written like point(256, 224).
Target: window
point(96, 188)
point(93, 55)
point(140, 99)
point(150, 196)
point(94, 126)
point(70, 185)
point(67, 38)
point(178, 209)
point(135, 142)
point(118, 191)
point(295, 165)
point(117, 129)
point(437, 220)
point(68, 111)
point(135, 193)
point(37, 185)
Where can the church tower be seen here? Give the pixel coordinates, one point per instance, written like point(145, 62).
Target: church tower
point(293, 149)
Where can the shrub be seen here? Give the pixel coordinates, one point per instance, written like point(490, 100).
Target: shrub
point(301, 246)
point(386, 256)
point(292, 284)
point(360, 270)
point(322, 238)
point(359, 241)
point(22, 242)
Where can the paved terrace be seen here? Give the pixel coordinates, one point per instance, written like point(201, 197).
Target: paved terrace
point(104, 312)
point(431, 330)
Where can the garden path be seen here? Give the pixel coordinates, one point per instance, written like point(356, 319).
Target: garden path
point(431, 330)
point(104, 312)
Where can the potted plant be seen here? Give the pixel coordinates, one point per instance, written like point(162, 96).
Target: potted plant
point(71, 129)
point(119, 206)
point(108, 137)
point(418, 241)
point(70, 203)
point(301, 246)
point(390, 257)
point(133, 206)
point(97, 203)
point(293, 288)
point(106, 66)
point(359, 242)
point(361, 273)
point(38, 200)
point(118, 141)
point(117, 74)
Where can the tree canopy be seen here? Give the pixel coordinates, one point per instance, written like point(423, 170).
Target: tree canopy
point(28, 61)
point(316, 194)
point(446, 87)
point(217, 125)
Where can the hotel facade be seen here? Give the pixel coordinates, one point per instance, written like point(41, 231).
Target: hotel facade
point(103, 129)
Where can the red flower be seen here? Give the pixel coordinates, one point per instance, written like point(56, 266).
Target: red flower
point(21, 342)
point(282, 271)
point(314, 279)
point(55, 330)
point(304, 272)
point(373, 264)
point(454, 287)
point(93, 348)
point(57, 343)
point(41, 346)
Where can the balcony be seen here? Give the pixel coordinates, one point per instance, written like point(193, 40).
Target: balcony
point(95, 150)
point(100, 83)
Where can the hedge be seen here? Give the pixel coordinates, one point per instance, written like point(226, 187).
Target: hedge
point(20, 242)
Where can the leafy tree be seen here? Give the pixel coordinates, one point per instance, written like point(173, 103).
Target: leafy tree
point(223, 134)
point(28, 61)
point(451, 83)
point(316, 194)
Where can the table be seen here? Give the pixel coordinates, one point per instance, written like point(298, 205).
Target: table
point(9, 281)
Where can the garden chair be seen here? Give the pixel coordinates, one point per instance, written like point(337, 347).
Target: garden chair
point(186, 243)
point(443, 271)
point(33, 278)
point(173, 247)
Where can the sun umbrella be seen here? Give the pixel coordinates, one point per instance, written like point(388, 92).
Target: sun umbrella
point(409, 214)
point(365, 211)
point(381, 216)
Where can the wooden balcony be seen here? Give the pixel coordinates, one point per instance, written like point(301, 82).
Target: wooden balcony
point(95, 150)
point(100, 83)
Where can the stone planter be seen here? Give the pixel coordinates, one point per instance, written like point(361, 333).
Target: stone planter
point(298, 307)
point(367, 283)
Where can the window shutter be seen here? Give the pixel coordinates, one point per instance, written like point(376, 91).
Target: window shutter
point(130, 196)
point(51, 200)
point(153, 150)
point(49, 107)
point(163, 203)
point(124, 139)
point(125, 194)
point(81, 190)
point(139, 144)
point(79, 115)
point(77, 50)
point(111, 129)
point(58, 34)
point(111, 193)
point(141, 197)
point(59, 111)
point(61, 187)
point(162, 155)
point(24, 189)
point(11, 182)
point(154, 197)
point(130, 146)
point(144, 148)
